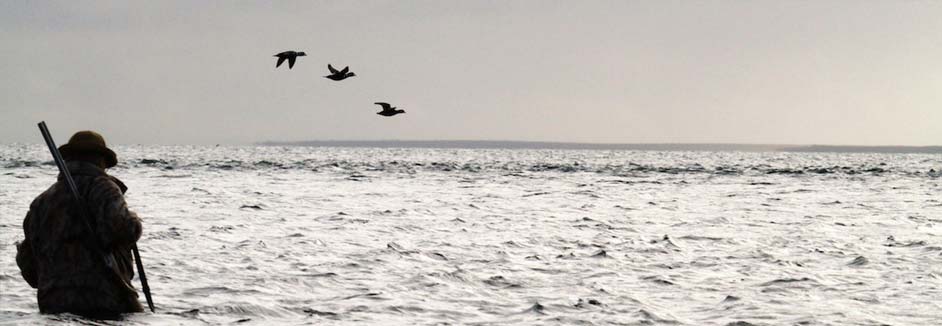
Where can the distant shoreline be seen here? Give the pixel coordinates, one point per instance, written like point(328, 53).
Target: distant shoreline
point(487, 144)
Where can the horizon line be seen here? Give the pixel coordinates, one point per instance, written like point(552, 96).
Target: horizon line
point(525, 144)
point(540, 144)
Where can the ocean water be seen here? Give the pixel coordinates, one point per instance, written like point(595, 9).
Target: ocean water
point(304, 235)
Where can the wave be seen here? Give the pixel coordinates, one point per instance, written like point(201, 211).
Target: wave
point(517, 163)
point(506, 168)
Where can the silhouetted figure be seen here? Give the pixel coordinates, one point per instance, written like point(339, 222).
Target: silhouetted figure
point(55, 258)
point(388, 110)
point(339, 75)
point(290, 56)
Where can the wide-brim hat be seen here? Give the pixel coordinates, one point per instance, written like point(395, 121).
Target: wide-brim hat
point(89, 142)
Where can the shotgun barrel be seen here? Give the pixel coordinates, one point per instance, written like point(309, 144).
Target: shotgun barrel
point(140, 274)
point(107, 259)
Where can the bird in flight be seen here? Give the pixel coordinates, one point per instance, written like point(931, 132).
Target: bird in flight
point(339, 75)
point(290, 56)
point(388, 110)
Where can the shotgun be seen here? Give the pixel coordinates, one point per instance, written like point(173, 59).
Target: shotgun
point(107, 258)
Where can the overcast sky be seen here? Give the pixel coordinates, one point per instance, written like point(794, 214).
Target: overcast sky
point(188, 72)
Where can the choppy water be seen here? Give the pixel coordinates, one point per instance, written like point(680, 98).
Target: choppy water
point(276, 235)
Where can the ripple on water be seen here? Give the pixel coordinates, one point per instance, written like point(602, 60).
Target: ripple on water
point(298, 235)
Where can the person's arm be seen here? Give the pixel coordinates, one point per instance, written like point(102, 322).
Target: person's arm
point(24, 255)
point(116, 225)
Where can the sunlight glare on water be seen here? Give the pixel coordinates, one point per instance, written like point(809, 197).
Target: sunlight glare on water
point(300, 235)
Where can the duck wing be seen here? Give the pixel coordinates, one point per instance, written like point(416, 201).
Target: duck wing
point(385, 105)
point(332, 69)
point(291, 61)
point(280, 60)
point(345, 70)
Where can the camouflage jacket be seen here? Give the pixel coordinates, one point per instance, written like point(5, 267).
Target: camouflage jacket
point(56, 257)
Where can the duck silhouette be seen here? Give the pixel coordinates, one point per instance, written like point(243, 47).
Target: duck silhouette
point(388, 110)
point(339, 75)
point(290, 56)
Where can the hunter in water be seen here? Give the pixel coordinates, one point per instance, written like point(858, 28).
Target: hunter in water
point(78, 256)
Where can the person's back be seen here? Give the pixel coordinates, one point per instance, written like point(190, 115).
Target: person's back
point(66, 262)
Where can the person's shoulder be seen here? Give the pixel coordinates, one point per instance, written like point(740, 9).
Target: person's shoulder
point(43, 197)
point(120, 184)
point(109, 183)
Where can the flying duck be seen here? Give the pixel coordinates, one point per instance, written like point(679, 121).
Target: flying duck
point(290, 56)
point(339, 75)
point(388, 110)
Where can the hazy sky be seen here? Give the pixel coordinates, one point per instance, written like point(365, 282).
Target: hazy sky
point(785, 72)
